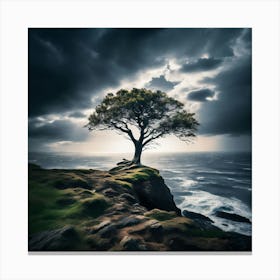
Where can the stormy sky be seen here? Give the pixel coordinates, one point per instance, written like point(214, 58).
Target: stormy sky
point(71, 70)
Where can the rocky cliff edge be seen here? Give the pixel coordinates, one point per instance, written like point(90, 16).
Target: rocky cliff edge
point(128, 208)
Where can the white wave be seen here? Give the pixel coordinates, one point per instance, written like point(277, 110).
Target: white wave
point(188, 183)
point(217, 172)
point(247, 168)
point(207, 204)
point(235, 180)
point(173, 171)
point(242, 188)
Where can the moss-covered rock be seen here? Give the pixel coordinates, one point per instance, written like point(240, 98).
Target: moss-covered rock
point(149, 187)
point(160, 215)
point(94, 206)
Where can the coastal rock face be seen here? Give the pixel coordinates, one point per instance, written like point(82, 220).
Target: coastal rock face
point(124, 209)
point(149, 189)
point(155, 194)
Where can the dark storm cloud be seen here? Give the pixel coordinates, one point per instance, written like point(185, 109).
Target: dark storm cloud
point(69, 70)
point(160, 83)
point(59, 130)
point(200, 95)
point(67, 67)
point(231, 113)
point(202, 64)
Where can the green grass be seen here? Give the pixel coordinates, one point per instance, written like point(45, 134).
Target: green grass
point(179, 223)
point(119, 182)
point(60, 179)
point(50, 208)
point(160, 215)
point(63, 197)
point(94, 206)
point(137, 174)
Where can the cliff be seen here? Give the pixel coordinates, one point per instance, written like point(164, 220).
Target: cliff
point(126, 208)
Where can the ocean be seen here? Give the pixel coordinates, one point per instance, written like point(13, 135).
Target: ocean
point(203, 182)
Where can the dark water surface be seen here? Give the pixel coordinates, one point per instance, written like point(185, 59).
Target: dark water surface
point(200, 182)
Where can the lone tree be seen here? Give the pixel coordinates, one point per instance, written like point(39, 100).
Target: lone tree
point(143, 116)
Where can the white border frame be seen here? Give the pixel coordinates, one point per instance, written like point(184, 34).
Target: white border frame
point(17, 16)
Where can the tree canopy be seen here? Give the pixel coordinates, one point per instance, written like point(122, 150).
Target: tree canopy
point(144, 116)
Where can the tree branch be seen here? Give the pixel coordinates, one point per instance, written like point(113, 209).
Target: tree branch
point(127, 131)
point(153, 138)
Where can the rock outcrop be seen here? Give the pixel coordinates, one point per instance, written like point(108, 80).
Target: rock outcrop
point(196, 216)
point(232, 217)
point(65, 238)
point(128, 208)
point(149, 187)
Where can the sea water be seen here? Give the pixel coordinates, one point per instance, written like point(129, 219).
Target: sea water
point(200, 182)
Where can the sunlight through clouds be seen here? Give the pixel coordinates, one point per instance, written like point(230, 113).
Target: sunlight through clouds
point(203, 68)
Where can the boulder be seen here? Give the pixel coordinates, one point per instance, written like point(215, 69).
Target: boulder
point(62, 239)
point(157, 232)
point(99, 226)
point(196, 216)
point(128, 221)
point(108, 231)
point(132, 244)
point(110, 192)
point(232, 217)
point(128, 197)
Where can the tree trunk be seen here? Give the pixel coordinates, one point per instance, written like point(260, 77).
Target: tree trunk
point(137, 153)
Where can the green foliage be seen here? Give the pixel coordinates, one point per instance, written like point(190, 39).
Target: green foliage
point(154, 114)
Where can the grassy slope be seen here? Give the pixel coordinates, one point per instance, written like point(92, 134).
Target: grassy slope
point(51, 207)
point(65, 197)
